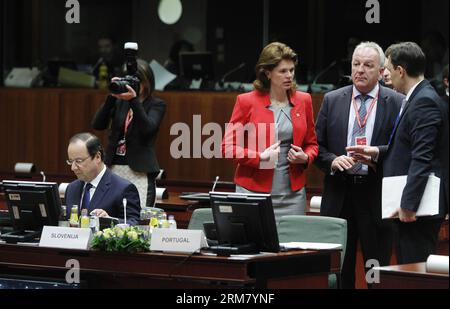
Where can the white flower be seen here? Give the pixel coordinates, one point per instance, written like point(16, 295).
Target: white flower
point(132, 235)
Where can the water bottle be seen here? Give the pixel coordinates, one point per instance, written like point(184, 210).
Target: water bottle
point(172, 222)
point(153, 222)
point(163, 222)
point(85, 220)
point(103, 77)
point(62, 221)
point(94, 224)
point(73, 220)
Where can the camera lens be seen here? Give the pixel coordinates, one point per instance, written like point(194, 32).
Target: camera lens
point(118, 86)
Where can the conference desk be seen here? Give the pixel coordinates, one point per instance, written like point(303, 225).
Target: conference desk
point(294, 269)
point(410, 276)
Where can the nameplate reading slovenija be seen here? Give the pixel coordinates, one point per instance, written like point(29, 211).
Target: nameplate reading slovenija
point(65, 237)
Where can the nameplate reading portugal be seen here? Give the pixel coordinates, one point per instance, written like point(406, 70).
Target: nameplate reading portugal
point(65, 237)
point(171, 240)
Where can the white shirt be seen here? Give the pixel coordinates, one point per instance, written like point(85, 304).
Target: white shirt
point(370, 120)
point(408, 95)
point(94, 184)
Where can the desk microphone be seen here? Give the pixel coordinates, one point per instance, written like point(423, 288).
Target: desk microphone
point(215, 183)
point(324, 71)
point(43, 176)
point(222, 80)
point(124, 202)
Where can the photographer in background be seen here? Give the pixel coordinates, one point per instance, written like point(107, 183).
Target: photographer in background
point(133, 117)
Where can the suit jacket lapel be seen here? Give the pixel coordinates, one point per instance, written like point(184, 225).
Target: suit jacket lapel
point(79, 192)
point(100, 191)
point(419, 87)
point(380, 117)
point(343, 115)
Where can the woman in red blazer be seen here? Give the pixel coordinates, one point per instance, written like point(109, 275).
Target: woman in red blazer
point(271, 133)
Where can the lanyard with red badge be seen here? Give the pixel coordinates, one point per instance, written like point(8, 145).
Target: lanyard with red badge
point(362, 140)
point(121, 145)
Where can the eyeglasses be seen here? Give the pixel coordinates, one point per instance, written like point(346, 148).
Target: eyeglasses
point(77, 162)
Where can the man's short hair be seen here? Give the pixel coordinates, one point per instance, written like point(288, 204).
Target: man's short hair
point(375, 47)
point(409, 56)
point(93, 144)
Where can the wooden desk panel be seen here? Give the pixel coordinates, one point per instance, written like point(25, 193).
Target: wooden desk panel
point(410, 276)
point(101, 269)
point(39, 122)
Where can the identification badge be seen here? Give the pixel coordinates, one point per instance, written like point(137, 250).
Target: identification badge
point(361, 140)
point(121, 149)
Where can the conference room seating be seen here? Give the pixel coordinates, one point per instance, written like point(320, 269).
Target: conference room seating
point(200, 216)
point(297, 228)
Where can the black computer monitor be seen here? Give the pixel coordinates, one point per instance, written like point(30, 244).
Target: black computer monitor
point(245, 223)
point(196, 65)
point(31, 205)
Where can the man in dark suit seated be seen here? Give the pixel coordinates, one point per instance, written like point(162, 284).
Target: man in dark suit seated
point(97, 188)
point(418, 147)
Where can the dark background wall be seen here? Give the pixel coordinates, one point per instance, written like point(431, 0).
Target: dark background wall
point(34, 31)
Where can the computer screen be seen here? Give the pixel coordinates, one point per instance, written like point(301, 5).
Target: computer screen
point(245, 223)
point(31, 205)
point(196, 65)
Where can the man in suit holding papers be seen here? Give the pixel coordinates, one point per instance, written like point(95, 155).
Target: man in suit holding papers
point(418, 146)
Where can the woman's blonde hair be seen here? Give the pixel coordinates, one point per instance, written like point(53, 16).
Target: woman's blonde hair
point(269, 58)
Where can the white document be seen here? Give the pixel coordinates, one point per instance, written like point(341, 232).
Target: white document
point(21, 77)
point(162, 76)
point(392, 195)
point(309, 245)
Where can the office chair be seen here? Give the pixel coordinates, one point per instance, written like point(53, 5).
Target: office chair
point(315, 229)
point(200, 216)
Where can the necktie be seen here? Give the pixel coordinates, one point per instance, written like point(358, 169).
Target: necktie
point(357, 130)
point(397, 120)
point(86, 196)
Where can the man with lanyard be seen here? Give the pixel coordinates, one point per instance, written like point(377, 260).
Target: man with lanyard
point(418, 147)
point(361, 114)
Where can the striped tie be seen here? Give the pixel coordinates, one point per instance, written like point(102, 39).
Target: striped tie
point(357, 130)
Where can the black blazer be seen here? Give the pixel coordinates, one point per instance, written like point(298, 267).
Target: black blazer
point(332, 129)
point(141, 134)
point(420, 147)
point(108, 196)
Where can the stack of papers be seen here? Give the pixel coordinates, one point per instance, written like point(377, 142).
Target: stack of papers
point(309, 245)
point(392, 195)
point(162, 75)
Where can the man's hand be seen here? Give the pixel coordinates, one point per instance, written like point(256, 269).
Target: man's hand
point(364, 151)
point(127, 96)
point(297, 156)
point(405, 215)
point(99, 213)
point(364, 159)
point(342, 163)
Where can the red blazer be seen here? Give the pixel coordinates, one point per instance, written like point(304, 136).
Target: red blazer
point(251, 110)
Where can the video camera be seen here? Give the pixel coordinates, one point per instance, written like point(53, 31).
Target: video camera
point(132, 77)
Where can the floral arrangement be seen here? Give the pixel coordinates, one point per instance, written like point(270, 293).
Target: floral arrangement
point(130, 239)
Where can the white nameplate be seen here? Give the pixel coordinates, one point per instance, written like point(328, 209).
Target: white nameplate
point(65, 237)
point(172, 240)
